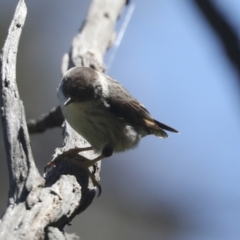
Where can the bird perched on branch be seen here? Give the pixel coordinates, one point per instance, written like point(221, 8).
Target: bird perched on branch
point(102, 111)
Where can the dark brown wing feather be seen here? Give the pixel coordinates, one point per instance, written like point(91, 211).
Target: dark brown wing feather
point(166, 127)
point(123, 105)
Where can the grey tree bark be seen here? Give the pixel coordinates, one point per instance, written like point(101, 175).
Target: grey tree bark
point(39, 208)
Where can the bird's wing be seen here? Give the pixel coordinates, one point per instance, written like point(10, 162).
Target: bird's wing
point(123, 105)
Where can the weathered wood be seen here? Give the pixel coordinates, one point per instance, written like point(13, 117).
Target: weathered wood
point(39, 208)
point(21, 166)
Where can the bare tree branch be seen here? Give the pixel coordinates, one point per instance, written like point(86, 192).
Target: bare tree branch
point(22, 170)
point(223, 29)
point(95, 36)
point(88, 48)
point(40, 208)
point(49, 120)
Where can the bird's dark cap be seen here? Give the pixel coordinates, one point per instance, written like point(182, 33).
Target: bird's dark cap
point(78, 83)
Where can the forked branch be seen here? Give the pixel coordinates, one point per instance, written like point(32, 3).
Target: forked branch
point(39, 208)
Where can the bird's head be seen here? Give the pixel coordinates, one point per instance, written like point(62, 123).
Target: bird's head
point(79, 84)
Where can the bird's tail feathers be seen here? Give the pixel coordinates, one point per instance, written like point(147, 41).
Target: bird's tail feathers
point(156, 128)
point(165, 127)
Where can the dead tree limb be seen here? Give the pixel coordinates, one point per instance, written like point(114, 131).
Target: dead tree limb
point(49, 120)
point(226, 33)
point(39, 208)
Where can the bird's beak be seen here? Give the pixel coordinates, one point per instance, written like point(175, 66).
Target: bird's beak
point(68, 101)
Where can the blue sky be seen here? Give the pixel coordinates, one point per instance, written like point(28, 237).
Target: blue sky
point(172, 61)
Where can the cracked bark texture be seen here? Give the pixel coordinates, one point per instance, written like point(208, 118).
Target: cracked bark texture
point(39, 208)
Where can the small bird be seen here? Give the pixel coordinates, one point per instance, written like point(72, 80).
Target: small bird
point(102, 111)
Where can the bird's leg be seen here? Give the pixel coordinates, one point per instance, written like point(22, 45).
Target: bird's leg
point(71, 152)
point(106, 152)
point(74, 151)
point(87, 163)
point(85, 166)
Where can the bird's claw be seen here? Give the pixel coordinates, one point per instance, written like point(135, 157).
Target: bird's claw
point(86, 168)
